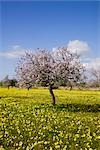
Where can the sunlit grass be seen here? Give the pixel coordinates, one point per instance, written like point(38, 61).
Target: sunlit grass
point(29, 121)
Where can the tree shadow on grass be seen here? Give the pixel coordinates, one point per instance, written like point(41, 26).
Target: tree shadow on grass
point(79, 107)
point(73, 107)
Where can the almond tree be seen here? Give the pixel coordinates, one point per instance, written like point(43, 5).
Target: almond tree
point(9, 82)
point(48, 68)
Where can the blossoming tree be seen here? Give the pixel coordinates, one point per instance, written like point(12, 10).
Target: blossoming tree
point(47, 68)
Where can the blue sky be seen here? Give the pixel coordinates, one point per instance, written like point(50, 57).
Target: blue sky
point(29, 25)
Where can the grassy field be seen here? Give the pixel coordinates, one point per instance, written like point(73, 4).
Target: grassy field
point(28, 121)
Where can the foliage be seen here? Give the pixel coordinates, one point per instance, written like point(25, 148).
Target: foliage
point(29, 122)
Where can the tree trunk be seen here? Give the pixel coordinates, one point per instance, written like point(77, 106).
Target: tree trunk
point(71, 87)
point(28, 88)
point(52, 95)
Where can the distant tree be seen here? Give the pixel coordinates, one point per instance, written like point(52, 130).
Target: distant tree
point(48, 68)
point(96, 77)
point(9, 82)
point(13, 82)
point(1, 84)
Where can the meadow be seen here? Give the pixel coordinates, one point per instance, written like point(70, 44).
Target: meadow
point(28, 121)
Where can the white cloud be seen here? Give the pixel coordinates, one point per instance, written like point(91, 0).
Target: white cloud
point(78, 46)
point(74, 46)
point(94, 63)
point(14, 53)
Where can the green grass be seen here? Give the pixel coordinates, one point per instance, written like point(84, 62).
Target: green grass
point(28, 121)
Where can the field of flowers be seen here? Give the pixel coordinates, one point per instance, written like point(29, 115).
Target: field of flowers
point(28, 121)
